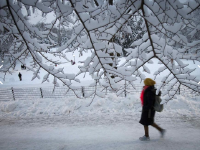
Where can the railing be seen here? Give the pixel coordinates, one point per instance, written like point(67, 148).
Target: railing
point(47, 92)
point(8, 94)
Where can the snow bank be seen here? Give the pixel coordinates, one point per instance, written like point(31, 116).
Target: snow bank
point(184, 106)
point(8, 107)
point(111, 104)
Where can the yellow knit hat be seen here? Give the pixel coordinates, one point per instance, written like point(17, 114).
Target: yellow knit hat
point(149, 82)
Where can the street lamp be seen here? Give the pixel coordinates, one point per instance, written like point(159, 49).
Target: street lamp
point(74, 57)
point(199, 67)
point(0, 68)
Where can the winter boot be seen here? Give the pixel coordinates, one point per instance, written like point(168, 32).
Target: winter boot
point(144, 138)
point(162, 132)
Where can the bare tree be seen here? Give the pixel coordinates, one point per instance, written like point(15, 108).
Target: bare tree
point(95, 23)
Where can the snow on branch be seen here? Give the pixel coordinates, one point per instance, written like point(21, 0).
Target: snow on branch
point(119, 38)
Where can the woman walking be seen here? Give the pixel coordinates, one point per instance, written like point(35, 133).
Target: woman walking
point(147, 100)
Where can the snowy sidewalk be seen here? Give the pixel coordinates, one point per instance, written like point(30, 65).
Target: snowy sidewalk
point(96, 133)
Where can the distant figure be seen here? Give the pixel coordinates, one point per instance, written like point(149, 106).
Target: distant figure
point(147, 100)
point(20, 76)
point(23, 67)
point(72, 62)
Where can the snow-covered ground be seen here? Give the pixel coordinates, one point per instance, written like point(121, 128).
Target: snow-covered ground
point(119, 132)
point(108, 124)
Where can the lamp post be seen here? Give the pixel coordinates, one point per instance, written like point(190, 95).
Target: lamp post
point(74, 57)
point(0, 68)
point(199, 67)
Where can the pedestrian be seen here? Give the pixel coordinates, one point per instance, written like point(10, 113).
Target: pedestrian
point(20, 76)
point(147, 100)
point(72, 62)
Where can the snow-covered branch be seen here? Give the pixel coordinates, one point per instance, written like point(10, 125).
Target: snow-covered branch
point(120, 36)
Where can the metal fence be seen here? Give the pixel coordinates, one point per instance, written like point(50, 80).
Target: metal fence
point(26, 93)
point(59, 92)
